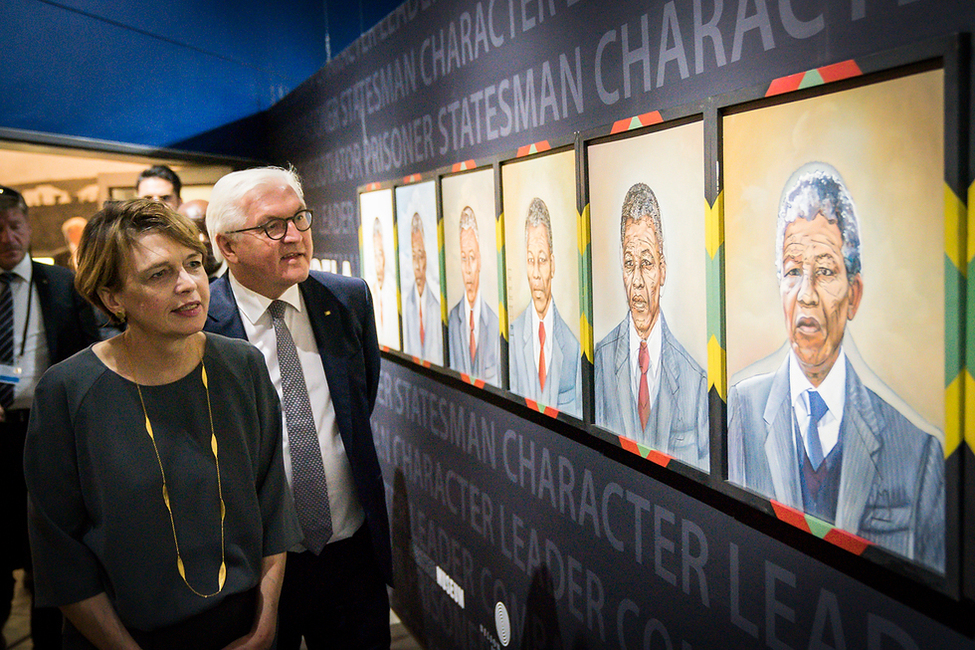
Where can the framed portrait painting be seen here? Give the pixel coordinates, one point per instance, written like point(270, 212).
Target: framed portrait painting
point(419, 264)
point(839, 309)
point(542, 275)
point(471, 263)
point(379, 262)
point(647, 211)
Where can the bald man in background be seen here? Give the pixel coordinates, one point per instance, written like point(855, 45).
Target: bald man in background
point(196, 211)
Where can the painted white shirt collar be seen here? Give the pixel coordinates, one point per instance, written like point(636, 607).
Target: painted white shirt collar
point(833, 392)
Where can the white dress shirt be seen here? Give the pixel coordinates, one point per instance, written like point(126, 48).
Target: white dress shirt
point(347, 513)
point(30, 355)
point(833, 392)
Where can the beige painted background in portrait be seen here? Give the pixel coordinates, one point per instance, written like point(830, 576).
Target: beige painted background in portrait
point(475, 189)
point(887, 141)
point(671, 162)
point(552, 179)
point(372, 205)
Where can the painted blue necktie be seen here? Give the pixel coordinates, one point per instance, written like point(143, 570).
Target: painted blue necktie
point(307, 468)
point(6, 335)
point(817, 409)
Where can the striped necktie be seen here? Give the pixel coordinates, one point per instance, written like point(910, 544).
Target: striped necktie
point(6, 335)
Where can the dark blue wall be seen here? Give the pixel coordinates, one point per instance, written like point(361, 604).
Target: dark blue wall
point(186, 75)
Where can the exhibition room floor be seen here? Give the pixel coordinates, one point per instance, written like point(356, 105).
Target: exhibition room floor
point(17, 630)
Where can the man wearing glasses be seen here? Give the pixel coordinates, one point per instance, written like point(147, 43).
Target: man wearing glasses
point(317, 332)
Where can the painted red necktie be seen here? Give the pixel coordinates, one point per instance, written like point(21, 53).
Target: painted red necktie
point(421, 325)
point(473, 344)
point(541, 355)
point(643, 400)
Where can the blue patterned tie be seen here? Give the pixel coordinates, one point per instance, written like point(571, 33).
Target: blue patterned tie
point(307, 469)
point(6, 335)
point(817, 409)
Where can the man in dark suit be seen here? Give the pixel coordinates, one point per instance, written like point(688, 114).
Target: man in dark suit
point(318, 335)
point(546, 364)
point(422, 331)
point(472, 326)
point(811, 435)
point(47, 322)
point(648, 388)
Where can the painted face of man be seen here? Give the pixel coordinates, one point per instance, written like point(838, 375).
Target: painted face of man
point(817, 295)
point(644, 273)
point(470, 263)
point(541, 268)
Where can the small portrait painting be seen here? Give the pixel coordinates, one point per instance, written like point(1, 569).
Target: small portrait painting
point(379, 262)
point(470, 246)
point(542, 259)
point(419, 264)
point(647, 210)
point(834, 232)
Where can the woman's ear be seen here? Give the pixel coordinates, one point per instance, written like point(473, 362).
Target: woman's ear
point(110, 300)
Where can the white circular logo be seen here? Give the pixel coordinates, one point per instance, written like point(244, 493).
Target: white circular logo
point(502, 623)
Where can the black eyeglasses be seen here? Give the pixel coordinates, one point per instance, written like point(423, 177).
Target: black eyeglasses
point(276, 228)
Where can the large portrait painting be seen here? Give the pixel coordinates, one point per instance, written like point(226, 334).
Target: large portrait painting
point(470, 247)
point(419, 264)
point(647, 207)
point(542, 260)
point(835, 240)
point(379, 262)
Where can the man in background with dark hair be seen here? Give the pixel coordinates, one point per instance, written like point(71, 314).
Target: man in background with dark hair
point(159, 183)
point(43, 320)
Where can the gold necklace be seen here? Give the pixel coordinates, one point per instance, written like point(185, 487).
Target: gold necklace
point(222, 573)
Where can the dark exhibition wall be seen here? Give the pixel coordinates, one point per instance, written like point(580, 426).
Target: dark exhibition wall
point(533, 519)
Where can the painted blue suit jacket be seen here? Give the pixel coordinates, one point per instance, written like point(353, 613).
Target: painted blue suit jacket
point(341, 315)
point(678, 424)
point(432, 346)
point(563, 379)
point(486, 356)
point(892, 474)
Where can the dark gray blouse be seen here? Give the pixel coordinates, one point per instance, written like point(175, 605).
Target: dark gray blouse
point(96, 512)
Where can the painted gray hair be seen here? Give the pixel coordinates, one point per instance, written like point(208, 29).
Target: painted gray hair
point(817, 188)
point(538, 216)
point(416, 225)
point(469, 222)
point(641, 203)
point(225, 212)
